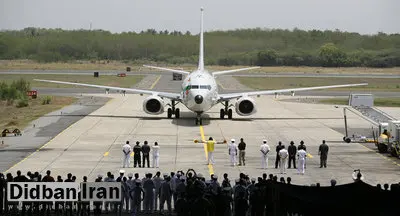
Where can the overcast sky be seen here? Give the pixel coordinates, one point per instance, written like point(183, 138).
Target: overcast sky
point(363, 16)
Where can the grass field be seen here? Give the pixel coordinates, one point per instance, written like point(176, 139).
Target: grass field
point(386, 102)
point(127, 81)
point(137, 66)
point(266, 83)
point(12, 117)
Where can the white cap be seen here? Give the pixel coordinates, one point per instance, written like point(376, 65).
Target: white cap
point(237, 180)
point(130, 175)
point(99, 176)
point(232, 140)
point(264, 141)
point(122, 171)
point(199, 175)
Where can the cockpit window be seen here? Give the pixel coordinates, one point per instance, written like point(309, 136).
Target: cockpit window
point(195, 87)
point(205, 87)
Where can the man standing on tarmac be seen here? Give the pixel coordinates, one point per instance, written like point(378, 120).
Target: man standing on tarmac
point(302, 155)
point(136, 157)
point(323, 153)
point(277, 159)
point(210, 149)
point(302, 146)
point(232, 151)
point(126, 150)
point(156, 155)
point(292, 155)
point(242, 152)
point(264, 154)
point(146, 154)
point(283, 155)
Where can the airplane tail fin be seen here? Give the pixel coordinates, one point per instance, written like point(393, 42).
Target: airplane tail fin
point(201, 54)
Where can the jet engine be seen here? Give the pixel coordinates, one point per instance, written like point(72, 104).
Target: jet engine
point(153, 105)
point(245, 106)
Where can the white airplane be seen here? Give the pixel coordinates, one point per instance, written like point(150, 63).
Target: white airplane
point(200, 92)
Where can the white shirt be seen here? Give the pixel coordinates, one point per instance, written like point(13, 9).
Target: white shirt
point(265, 148)
point(283, 153)
point(301, 154)
point(156, 150)
point(127, 149)
point(232, 148)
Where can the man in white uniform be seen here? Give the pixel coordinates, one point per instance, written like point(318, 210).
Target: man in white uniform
point(232, 148)
point(283, 154)
point(264, 154)
point(126, 149)
point(301, 158)
point(156, 155)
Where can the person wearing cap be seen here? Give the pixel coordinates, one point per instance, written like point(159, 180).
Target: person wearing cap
point(156, 155)
point(301, 156)
point(137, 196)
point(148, 186)
point(121, 175)
point(292, 155)
point(157, 184)
point(136, 157)
point(166, 194)
point(210, 149)
point(232, 151)
point(242, 152)
point(277, 159)
point(126, 150)
point(264, 154)
point(283, 155)
point(302, 146)
point(323, 153)
point(146, 154)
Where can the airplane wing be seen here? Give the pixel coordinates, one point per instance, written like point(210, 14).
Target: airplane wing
point(224, 97)
point(175, 96)
point(168, 69)
point(233, 71)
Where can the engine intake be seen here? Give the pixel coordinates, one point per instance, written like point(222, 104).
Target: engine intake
point(245, 106)
point(153, 105)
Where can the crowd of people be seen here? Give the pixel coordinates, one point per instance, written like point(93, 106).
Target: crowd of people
point(186, 193)
point(284, 157)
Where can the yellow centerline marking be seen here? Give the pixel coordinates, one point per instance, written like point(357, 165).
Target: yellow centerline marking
point(155, 82)
point(210, 166)
point(106, 154)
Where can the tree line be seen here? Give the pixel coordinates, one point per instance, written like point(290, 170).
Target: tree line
point(15, 92)
point(264, 47)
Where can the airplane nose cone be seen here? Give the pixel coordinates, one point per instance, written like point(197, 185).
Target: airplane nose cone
point(198, 99)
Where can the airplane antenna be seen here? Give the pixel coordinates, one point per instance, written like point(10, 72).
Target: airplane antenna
point(201, 55)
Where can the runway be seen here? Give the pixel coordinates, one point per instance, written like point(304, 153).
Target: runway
point(92, 145)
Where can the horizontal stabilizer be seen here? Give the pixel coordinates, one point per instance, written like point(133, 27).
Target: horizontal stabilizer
point(233, 71)
point(168, 69)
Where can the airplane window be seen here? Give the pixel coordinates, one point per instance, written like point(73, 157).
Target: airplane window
point(205, 87)
point(195, 87)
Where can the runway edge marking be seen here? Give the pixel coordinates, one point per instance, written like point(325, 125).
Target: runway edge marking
point(210, 166)
point(48, 142)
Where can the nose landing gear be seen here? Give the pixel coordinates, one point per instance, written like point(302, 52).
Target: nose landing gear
point(199, 120)
point(226, 111)
point(173, 111)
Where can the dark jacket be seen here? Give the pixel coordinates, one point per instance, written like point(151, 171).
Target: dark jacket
point(137, 149)
point(278, 148)
point(242, 146)
point(323, 149)
point(302, 147)
point(292, 150)
point(146, 150)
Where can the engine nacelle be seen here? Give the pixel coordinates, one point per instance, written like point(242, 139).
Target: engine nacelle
point(245, 106)
point(153, 105)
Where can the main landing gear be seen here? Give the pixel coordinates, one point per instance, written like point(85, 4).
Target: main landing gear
point(225, 111)
point(173, 111)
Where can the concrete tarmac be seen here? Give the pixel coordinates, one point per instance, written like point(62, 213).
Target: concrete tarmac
point(93, 145)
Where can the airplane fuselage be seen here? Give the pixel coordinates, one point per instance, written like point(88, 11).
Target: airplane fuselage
point(199, 91)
